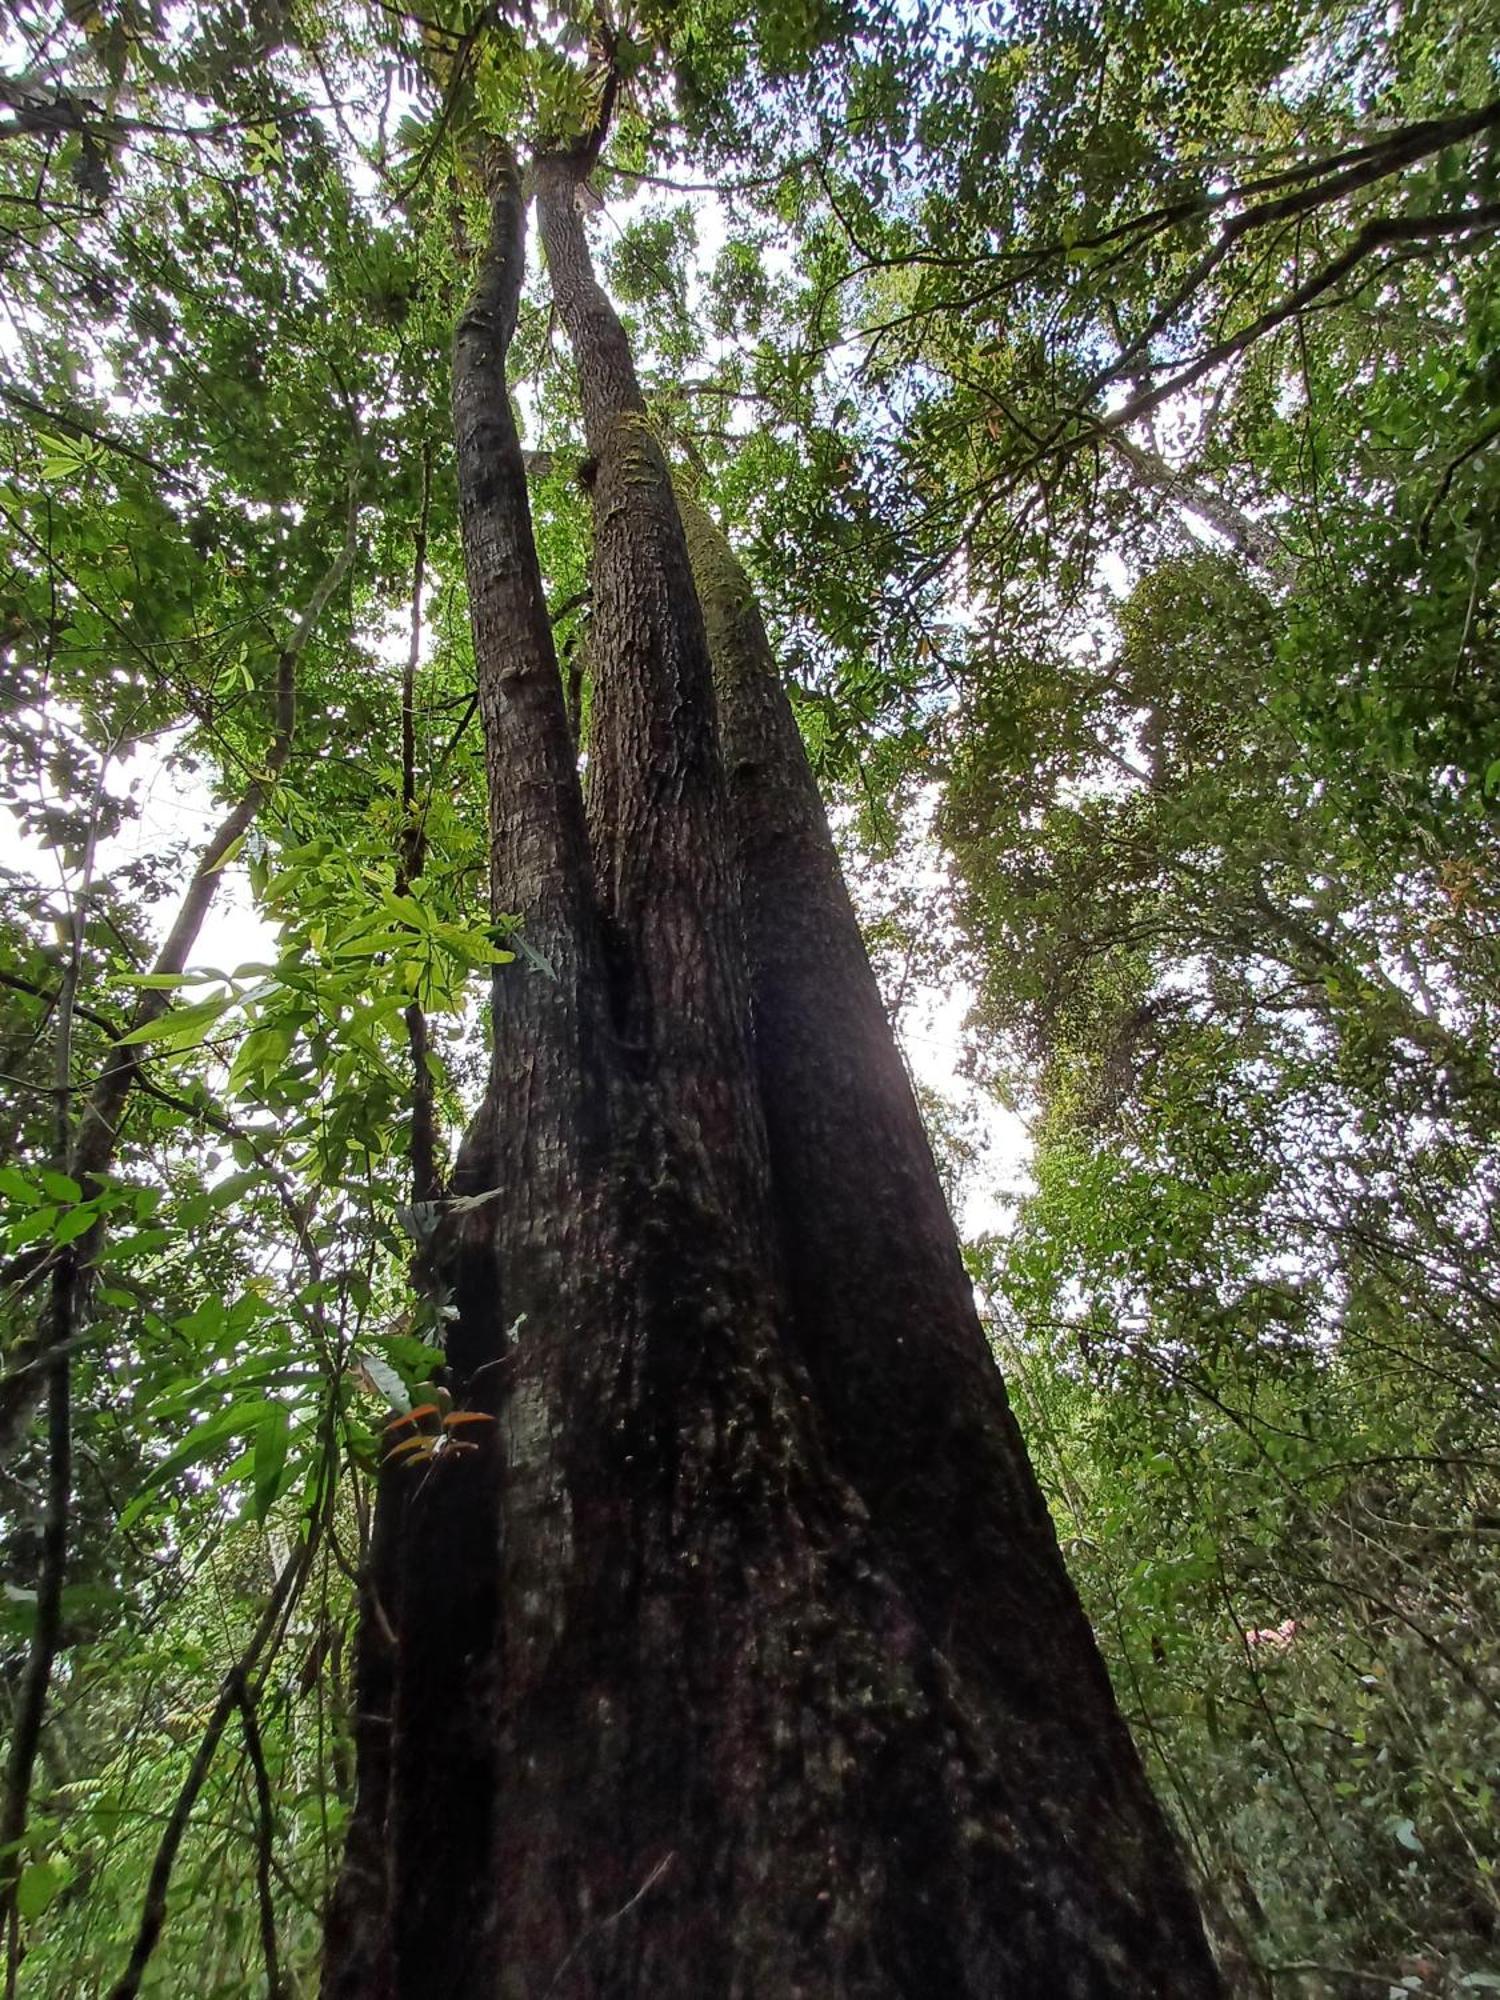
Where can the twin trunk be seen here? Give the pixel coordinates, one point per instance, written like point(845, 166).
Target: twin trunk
point(741, 1660)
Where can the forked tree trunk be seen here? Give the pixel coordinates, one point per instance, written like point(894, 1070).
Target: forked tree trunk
point(741, 1660)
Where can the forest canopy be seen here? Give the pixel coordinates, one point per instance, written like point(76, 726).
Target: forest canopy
point(1099, 403)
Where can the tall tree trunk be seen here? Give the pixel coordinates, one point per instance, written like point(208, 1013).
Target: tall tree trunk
point(450, 1584)
point(703, 1728)
point(883, 1311)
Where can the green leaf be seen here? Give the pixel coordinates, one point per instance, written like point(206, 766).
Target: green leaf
point(205, 1324)
point(61, 1187)
point(262, 1054)
point(63, 457)
point(239, 1420)
point(263, 148)
point(14, 1186)
point(183, 1027)
point(75, 1222)
point(38, 1884)
point(166, 982)
point(230, 854)
point(31, 1228)
point(271, 1441)
point(224, 1194)
point(125, 1248)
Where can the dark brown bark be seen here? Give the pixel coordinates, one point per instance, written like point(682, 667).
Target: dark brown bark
point(674, 1714)
point(357, 1931)
point(46, 1638)
point(426, 1922)
point(884, 1311)
point(657, 816)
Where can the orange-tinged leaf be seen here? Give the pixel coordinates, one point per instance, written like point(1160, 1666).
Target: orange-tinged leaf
point(456, 1417)
point(412, 1444)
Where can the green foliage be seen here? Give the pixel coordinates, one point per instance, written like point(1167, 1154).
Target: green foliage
point(1175, 604)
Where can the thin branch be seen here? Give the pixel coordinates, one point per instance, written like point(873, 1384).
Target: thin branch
point(19, 984)
point(1245, 534)
point(726, 188)
point(41, 116)
point(422, 21)
point(36, 1683)
point(76, 427)
point(426, 1182)
point(606, 44)
point(1373, 164)
point(1332, 176)
point(597, 1930)
point(463, 55)
point(265, 1838)
point(1485, 438)
point(471, 704)
point(1384, 233)
point(98, 1133)
point(1308, 1968)
point(231, 1692)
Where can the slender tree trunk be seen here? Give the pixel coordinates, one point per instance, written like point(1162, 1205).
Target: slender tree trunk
point(445, 1595)
point(676, 1710)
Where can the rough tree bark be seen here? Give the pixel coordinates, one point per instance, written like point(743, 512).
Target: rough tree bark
point(883, 1312)
point(741, 1660)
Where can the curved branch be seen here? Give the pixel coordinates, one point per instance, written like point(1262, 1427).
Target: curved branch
point(1383, 233)
point(76, 427)
point(1242, 531)
point(426, 1180)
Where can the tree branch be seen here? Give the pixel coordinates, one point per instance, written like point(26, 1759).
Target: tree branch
point(94, 1144)
point(265, 1837)
point(232, 1690)
point(426, 1182)
point(58, 1329)
point(1243, 533)
point(76, 427)
point(1380, 234)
